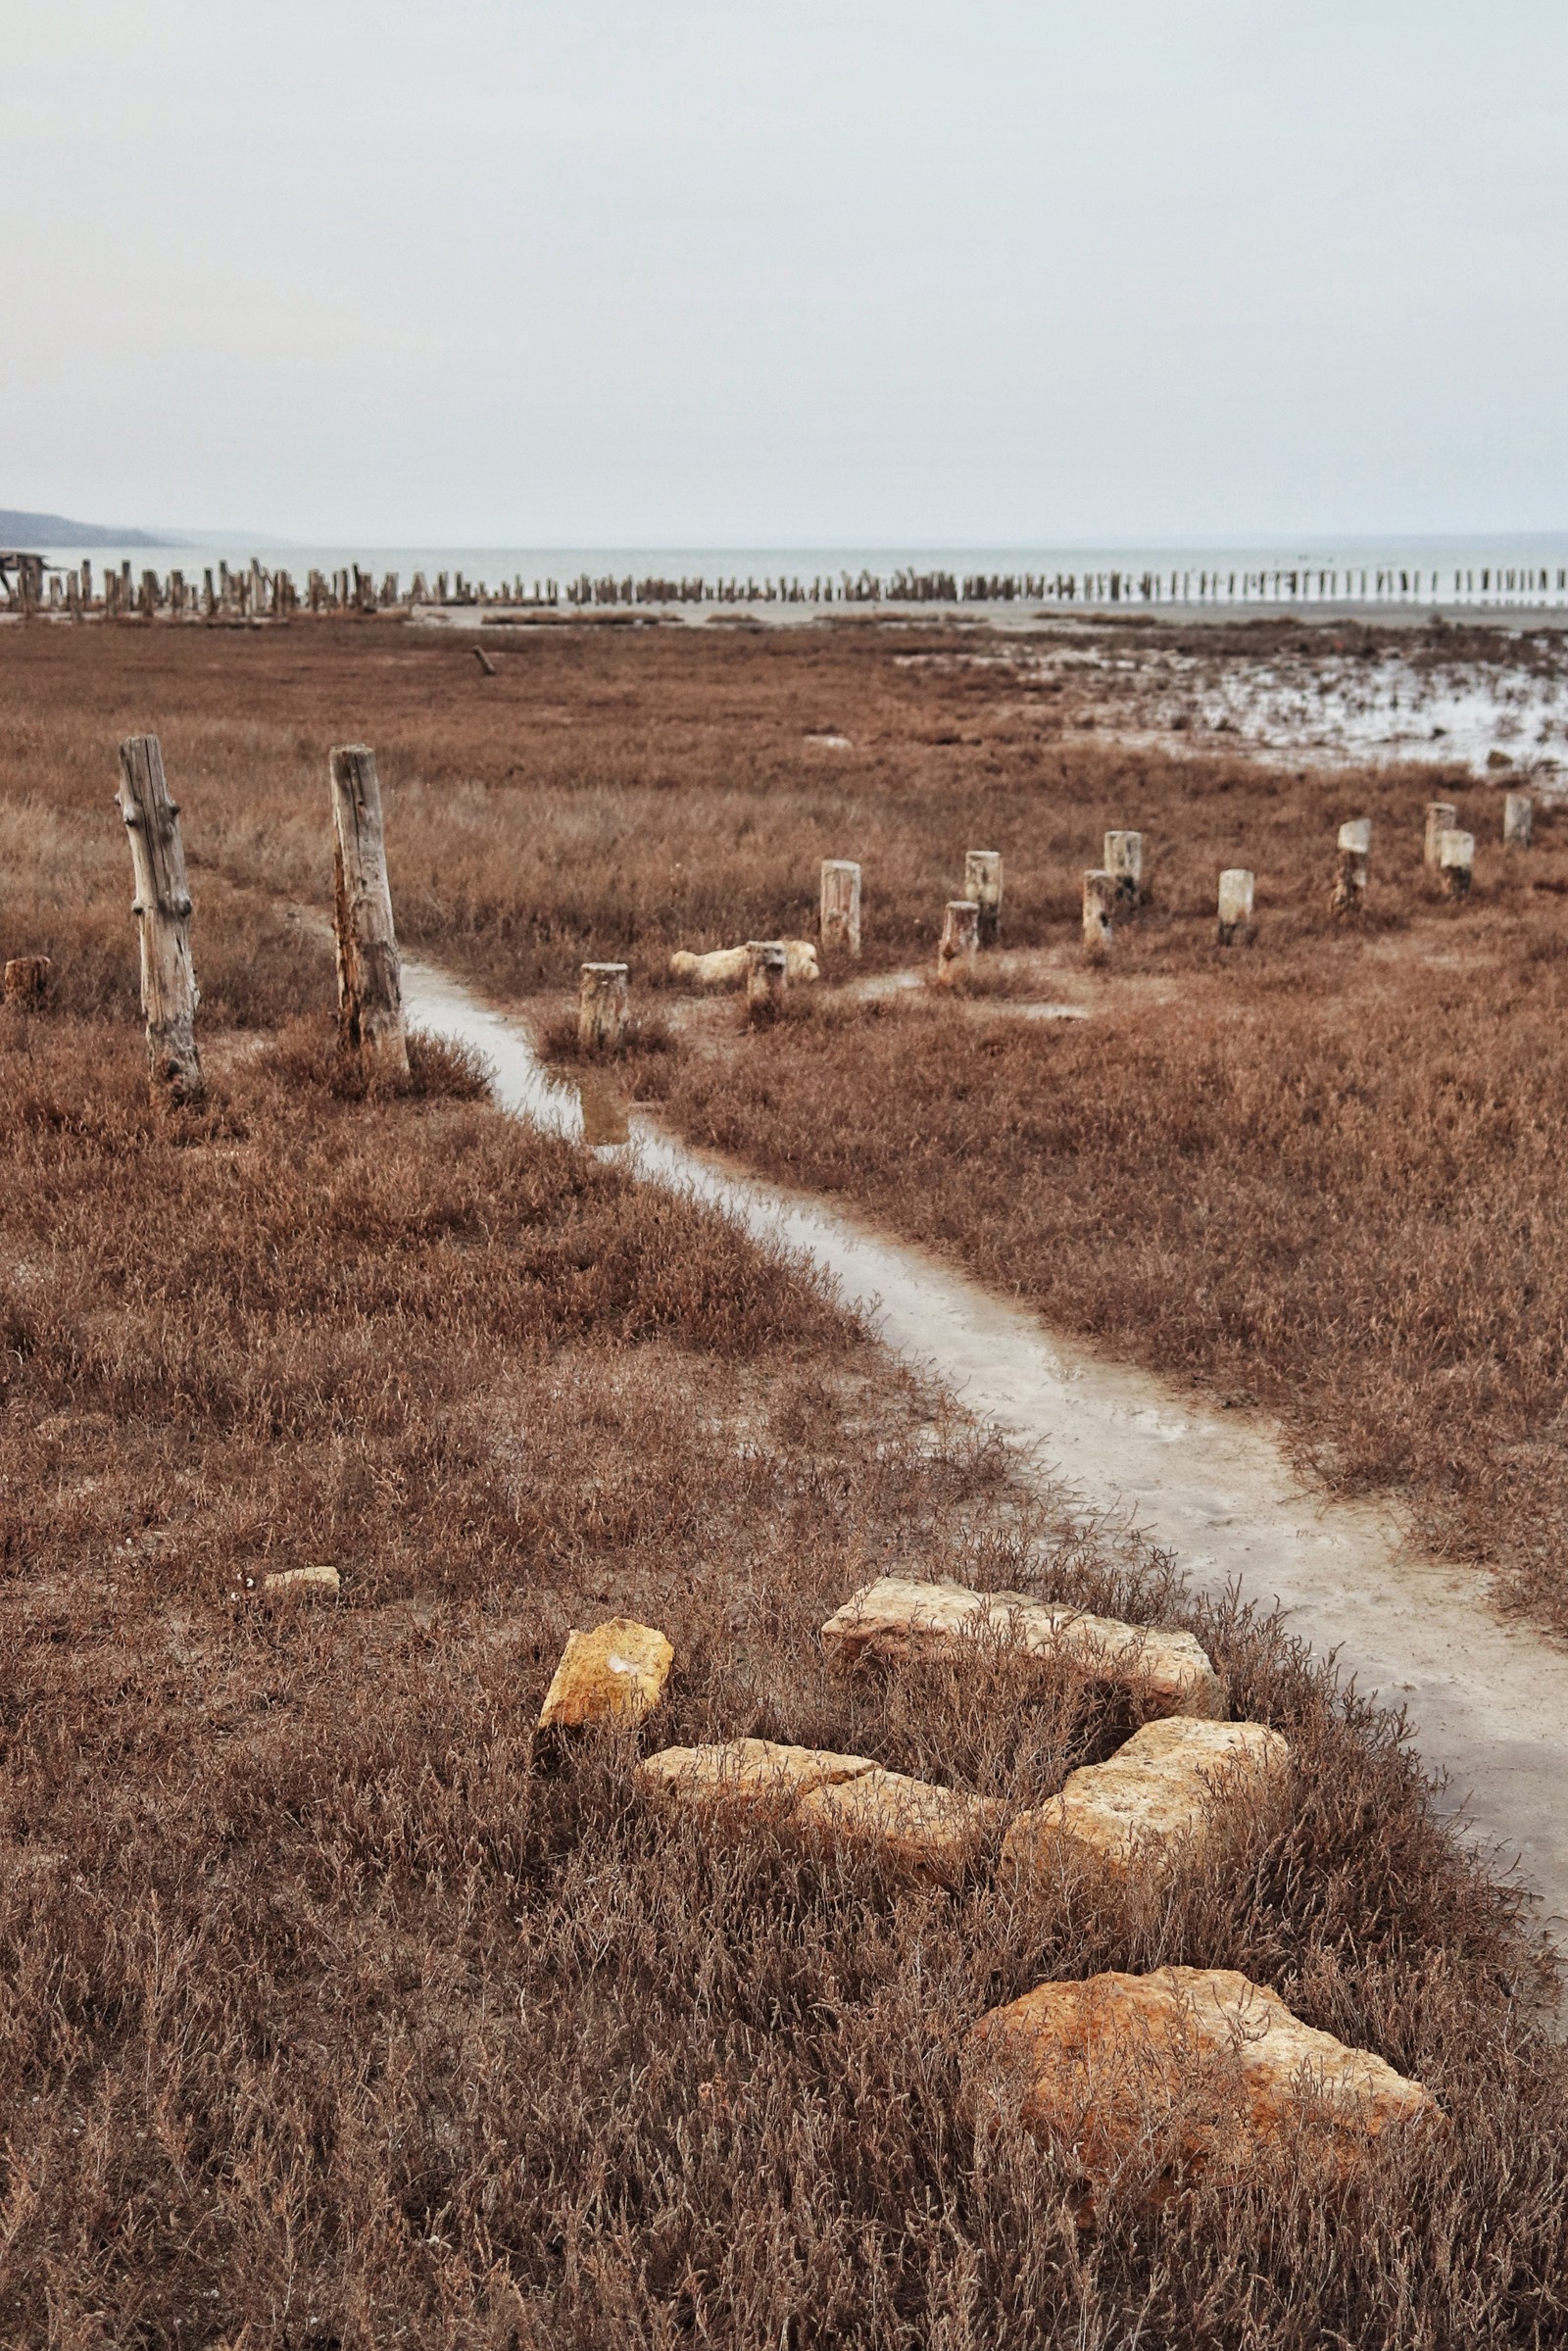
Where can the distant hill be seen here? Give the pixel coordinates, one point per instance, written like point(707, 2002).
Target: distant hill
point(54, 531)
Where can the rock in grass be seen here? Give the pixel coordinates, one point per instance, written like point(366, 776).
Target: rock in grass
point(302, 1580)
point(1214, 2066)
point(898, 1616)
point(923, 1831)
point(1160, 1791)
point(617, 1673)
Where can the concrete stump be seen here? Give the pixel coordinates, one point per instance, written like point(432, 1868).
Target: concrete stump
point(961, 940)
point(841, 907)
point(28, 979)
point(1442, 817)
point(982, 882)
point(1518, 819)
point(1355, 861)
point(1236, 889)
point(602, 1007)
point(767, 974)
point(1457, 856)
point(1099, 908)
point(1124, 862)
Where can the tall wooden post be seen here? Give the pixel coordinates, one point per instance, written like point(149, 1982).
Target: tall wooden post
point(768, 975)
point(1518, 819)
point(1236, 889)
point(1124, 862)
point(960, 942)
point(1100, 893)
point(602, 1006)
point(369, 985)
point(841, 907)
point(1456, 858)
point(1351, 872)
point(982, 882)
point(1441, 816)
point(161, 907)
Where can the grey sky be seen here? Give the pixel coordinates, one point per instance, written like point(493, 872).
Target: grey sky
point(676, 272)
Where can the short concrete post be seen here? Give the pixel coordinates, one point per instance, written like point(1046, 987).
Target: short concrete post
point(961, 940)
point(1236, 889)
point(768, 975)
point(1355, 861)
point(841, 907)
point(982, 881)
point(1442, 817)
point(369, 982)
point(1456, 858)
point(28, 979)
point(1124, 862)
point(1518, 819)
point(1101, 892)
point(602, 1007)
point(161, 907)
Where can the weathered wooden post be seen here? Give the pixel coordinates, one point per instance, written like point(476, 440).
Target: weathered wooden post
point(1236, 890)
point(982, 881)
point(1456, 858)
point(1351, 872)
point(841, 907)
point(1518, 819)
point(1101, 893)
point(26, 979)
point(767, 976)
point(1442, 817)
point(1124, 862)
point(369, 985)
point(487, 667)
point(161, 907)
point(961, 940)
point(602, 1007)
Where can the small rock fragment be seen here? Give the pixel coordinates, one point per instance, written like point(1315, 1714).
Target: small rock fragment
point(301, 1578)
point(1204, 2054)
point(899, 1616)
point(616, 1673)
point(1162, 1788)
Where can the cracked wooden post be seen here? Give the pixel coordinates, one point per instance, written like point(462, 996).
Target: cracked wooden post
point(27, 981)
point(840, 926)
point(1441, 816)
point(768, 975)
point(369, 985)
point(602, 1007)
point(1236, 892)
point(1124, 862)
point(161, 907)
point(961, 940)
point(1101, 892)
point(982, 881)
point(1351, 874)
point(1518, 819)
point(1456, 858)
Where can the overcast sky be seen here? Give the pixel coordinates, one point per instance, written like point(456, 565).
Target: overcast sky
point(706, 272)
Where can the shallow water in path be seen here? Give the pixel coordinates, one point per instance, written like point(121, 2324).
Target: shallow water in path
point(1488, 1699)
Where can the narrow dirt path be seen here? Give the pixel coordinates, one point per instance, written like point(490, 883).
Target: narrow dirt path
point(1487, 1700)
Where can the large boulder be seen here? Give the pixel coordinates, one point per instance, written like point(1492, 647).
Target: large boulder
point(923, 1831)
point(1159, 1794)
point(616, 1673)
point(899, 1616)
point(1199, 2063)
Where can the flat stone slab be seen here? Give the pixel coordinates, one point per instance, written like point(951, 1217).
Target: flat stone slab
point(1202, 2053)
point(1159, 1792)
point(617, 1673)
point(899, 1616)
point(925, 1830)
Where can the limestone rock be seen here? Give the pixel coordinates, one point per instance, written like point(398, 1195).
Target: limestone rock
point(926, 1831)
point(1201, 2054)
point(616, 1673)
point(898, 1616)
point(1164, 1786)
point(302, 1580)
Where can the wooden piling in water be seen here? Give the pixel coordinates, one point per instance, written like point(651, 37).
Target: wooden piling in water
point(840, 921)
point(602, 1007)
point(1352, 872)
point(961, 940)
point(1100, 898)
point(768, 975)
point(1518, 819)
point(1236, 894)
point(161, 907)
point(1441, 816)
point(369, 984)
point(1457, 856)
point(1124, 862)
point(982, 882)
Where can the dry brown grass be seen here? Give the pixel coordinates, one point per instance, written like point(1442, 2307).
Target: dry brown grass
point(330, 2014)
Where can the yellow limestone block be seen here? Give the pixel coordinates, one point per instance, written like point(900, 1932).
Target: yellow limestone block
point(1162, 1788)
point(899, 1616)
point(1202, 2053)
point(617, 1671)
point(301, 1578)
point(927, 1830)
